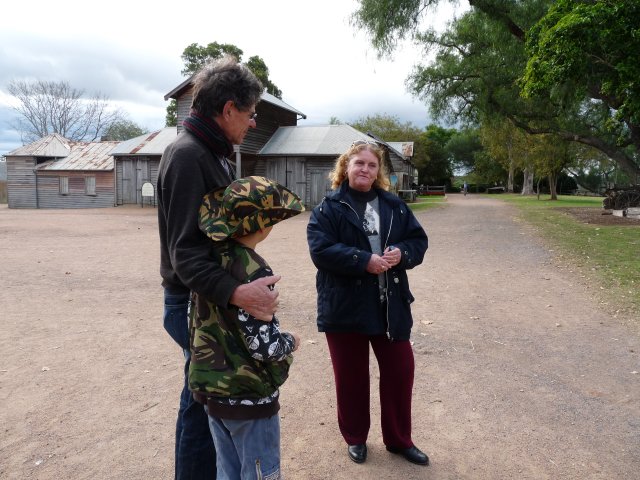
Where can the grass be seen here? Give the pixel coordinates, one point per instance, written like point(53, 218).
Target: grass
point(425, 202)
point(610, 255)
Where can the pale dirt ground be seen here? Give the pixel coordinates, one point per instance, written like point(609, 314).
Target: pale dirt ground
point(522, 372)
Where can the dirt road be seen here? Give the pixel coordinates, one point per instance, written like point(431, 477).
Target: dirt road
point(520, 371)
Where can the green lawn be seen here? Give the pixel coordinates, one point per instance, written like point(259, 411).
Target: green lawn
point(424, 202)
point(608, 254)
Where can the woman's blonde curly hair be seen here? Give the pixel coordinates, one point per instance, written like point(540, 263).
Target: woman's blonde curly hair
point(339, 172)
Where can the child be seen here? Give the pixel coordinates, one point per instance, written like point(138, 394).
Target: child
point(237, 361)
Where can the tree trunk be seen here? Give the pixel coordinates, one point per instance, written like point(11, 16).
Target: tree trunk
point(527, 182)
point(553, 185)
point(510, 180)
point(511, 170)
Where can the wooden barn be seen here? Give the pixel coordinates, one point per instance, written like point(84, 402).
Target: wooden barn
point(301, 158)
point(54, 172)
point(136, 164)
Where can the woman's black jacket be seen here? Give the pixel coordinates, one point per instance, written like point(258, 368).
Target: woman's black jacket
point(348, 296)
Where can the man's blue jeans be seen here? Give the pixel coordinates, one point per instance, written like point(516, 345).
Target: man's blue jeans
point(195, 455)
point(247, 449)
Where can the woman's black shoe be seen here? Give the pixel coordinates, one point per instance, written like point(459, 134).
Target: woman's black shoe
point(357, 453)
point(413, 454)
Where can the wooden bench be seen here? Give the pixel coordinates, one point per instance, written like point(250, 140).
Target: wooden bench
point(407, 195)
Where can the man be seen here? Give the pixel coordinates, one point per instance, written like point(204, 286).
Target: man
point(225, 95)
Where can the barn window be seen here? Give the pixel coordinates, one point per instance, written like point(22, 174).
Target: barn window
point(64, 185)
point(90, 185)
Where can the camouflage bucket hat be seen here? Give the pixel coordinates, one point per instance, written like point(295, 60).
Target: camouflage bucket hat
point(246, 206)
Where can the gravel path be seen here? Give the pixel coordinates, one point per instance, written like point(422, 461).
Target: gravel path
point(520, 372)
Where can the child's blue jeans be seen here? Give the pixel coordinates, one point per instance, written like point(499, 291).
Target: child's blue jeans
point(247, 449)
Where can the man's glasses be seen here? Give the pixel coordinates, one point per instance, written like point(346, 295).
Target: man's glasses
point(253, 116)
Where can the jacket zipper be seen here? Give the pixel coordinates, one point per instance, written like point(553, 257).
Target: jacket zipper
point(386, 278)
point(352, 209)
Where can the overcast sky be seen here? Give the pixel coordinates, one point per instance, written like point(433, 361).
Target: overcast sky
point(130, 51)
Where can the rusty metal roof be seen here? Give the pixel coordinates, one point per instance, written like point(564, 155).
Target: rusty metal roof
point(53, 145)
point(152, 143)
point(84, 156)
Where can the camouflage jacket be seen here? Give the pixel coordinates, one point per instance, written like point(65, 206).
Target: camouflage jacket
point(237, 361)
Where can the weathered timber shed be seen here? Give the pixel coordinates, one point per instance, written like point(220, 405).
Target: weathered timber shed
point(3, 180)
point(136, 163)
point(302, 157)
point(55, 172)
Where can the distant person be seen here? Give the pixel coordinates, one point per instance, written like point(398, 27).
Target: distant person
point(238, 363)
point(465, 188)
point(362, 239)
point(225, 94)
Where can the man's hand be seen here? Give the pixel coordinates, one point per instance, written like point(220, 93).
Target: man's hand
point(256, 298)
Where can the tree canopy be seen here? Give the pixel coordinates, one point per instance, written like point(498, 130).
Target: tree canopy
point(551, 68)
point(123, 130)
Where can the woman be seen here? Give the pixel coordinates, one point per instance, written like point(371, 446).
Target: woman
point(362, 239)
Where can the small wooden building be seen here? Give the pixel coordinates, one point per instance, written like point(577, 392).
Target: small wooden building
point(302, 157)
point(136, 163)
point(54, 172)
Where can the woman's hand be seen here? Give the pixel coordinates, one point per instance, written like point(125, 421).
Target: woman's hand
point(392, 255)
point(377, 264)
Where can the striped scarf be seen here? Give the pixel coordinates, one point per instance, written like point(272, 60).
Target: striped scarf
point(209, 132)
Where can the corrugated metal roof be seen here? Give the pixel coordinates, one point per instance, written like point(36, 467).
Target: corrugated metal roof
point(53, 145)
point(267, 97)
point(84, 156)
point(149, 144)
point(312, 140)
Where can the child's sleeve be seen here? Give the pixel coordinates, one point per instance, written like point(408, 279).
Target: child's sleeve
point(264, 340)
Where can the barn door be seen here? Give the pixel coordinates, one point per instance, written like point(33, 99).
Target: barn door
point(129, 182)
point(319, 185)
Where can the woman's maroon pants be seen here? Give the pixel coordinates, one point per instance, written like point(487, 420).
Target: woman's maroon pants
point(350, 358)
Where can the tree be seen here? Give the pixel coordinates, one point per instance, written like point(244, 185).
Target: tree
point(123, 130)
point(171, 118)
point(481, 60)
point(437, 168)
point(387, 127)
point(259, 68)
point(463, 148)
point(196, 56)
point(47, 107)
point(579, 54)
point(507, 145)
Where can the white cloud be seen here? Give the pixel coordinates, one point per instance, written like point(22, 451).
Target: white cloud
point(130, 51)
